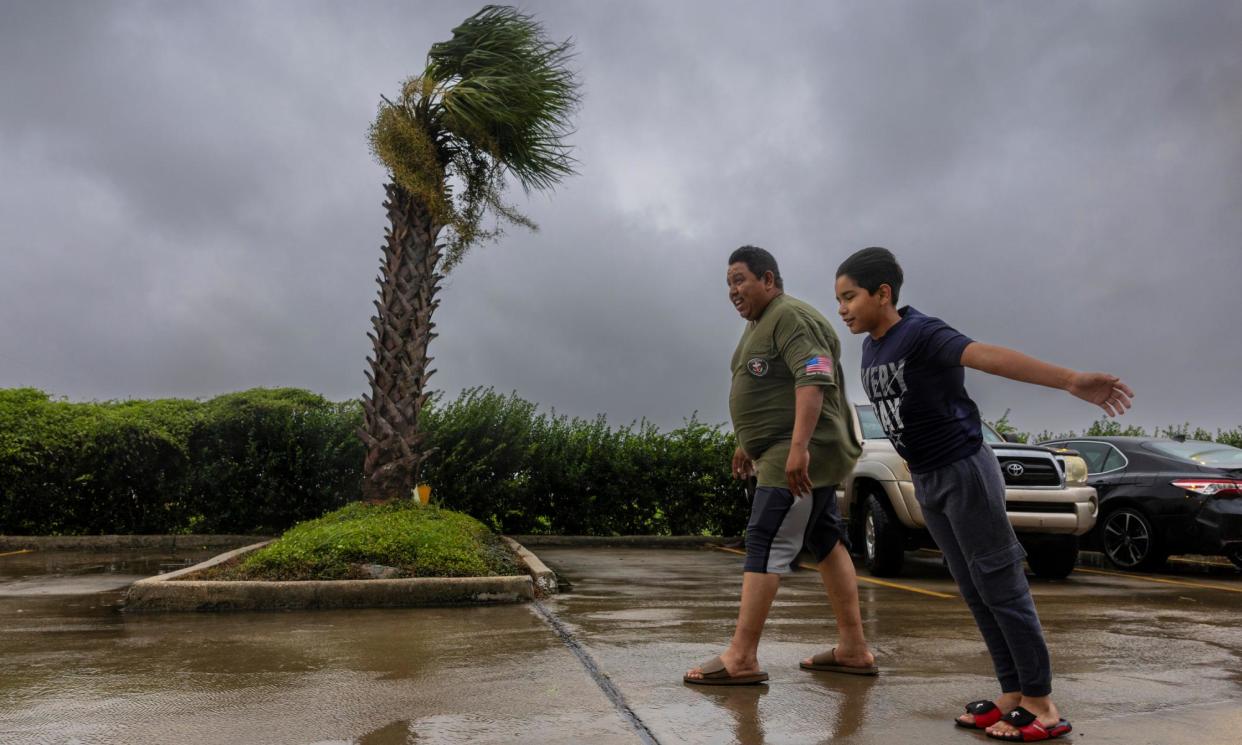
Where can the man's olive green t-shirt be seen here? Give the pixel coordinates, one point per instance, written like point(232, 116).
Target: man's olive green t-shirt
point(791, 345)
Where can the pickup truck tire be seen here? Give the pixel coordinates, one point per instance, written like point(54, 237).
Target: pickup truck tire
point(884, 539)
point(1053, 558)
point(1130, 540)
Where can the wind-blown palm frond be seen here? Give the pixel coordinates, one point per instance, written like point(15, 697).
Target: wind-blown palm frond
point(509, 91)
point(494, 100)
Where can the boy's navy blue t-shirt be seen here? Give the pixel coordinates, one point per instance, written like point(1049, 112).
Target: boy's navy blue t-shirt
point(915, 379)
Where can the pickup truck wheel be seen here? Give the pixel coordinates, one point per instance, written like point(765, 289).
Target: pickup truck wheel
point(1130, 540)
point(1053, 558)
point(884, 540)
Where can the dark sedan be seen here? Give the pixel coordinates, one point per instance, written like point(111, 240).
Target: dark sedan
point(1163, 496)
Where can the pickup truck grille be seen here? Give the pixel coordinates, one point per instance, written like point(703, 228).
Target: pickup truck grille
point(1029, 470)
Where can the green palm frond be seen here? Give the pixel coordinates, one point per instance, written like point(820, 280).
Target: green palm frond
point(494, 100)
point(509, 91)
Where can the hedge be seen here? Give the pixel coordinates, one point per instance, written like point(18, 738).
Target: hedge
point(262, 460)
point(250, 462)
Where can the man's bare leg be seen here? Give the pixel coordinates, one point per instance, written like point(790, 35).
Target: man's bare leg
point(841, 583)
point(742, 656)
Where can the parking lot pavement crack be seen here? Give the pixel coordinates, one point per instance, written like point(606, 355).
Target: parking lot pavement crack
point(601, 679)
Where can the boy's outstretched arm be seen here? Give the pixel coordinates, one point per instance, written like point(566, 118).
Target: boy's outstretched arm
point(1103, 390)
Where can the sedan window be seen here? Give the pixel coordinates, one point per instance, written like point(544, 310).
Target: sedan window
point(1095, 453)
point(1211, 454)
point(1114, 460)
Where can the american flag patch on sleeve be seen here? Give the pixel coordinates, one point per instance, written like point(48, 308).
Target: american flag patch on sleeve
point(819, 365)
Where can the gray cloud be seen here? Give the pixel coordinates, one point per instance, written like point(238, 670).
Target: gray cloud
point(187, 205)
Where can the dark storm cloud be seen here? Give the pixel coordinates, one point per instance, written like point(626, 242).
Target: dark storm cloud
point(187, 205)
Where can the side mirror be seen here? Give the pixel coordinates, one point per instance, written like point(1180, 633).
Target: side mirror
point(1011, 437)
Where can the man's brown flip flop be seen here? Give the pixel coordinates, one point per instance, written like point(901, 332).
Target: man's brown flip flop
point(715, 674)
point(826, 662)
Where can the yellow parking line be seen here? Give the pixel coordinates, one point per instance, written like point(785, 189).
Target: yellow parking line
point(15, 553)
point(869, 580)
point(1161, 580)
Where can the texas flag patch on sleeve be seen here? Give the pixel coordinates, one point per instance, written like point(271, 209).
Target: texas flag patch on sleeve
point(819, 365)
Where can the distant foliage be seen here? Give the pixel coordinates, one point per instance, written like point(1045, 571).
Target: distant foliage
point(1114, 428)
point(261, 460)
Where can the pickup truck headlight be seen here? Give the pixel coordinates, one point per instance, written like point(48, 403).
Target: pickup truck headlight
point(1075, 470)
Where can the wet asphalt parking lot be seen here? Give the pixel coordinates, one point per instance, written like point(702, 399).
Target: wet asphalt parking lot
point(1139, 658)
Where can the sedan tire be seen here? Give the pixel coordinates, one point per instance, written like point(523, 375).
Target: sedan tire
point(1236, 557)
point(1130, 540)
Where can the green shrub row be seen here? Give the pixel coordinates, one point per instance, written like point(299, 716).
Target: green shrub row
point(497, 458)
point(261, 460)
point(250, 462)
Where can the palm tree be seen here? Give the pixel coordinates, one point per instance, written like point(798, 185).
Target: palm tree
point(493, 102)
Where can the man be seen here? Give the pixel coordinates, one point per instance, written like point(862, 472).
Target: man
point(791, 419)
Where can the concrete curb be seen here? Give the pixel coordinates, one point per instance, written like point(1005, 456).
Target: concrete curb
point(167, 592)
point(544, 578)
point(634, 541)
point(113, 542)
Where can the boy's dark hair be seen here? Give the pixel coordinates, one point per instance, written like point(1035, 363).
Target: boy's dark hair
point(872, 267)
point(759, 262)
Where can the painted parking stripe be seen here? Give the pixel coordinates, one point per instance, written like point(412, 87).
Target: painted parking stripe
point(1161, 580)
point(869, 580)
point(15, 553)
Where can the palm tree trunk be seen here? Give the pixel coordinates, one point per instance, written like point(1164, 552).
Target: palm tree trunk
point(402, 330)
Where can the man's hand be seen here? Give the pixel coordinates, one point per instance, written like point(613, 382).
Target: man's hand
point(797, 472)
point(743, 466)
point(1103, 390)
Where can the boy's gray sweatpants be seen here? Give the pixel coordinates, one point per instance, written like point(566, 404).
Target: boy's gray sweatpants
point(964, 506)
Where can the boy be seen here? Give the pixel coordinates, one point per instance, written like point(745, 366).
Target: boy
point(912, 371)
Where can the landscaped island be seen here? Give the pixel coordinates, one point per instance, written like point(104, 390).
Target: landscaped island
point(395, 540)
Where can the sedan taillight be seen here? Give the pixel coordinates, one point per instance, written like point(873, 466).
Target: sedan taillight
point(1211, 487)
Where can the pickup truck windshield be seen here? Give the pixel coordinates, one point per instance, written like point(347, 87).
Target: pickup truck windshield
point(871, 429)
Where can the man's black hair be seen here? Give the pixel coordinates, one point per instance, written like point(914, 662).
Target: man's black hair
point(872, 267)
point(759, 262)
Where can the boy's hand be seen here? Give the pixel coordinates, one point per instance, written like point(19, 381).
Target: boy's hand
point(743, 466)
point(797, 472)
point(1103, 390)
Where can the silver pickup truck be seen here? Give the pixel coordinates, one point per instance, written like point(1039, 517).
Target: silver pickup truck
point(1046, 494)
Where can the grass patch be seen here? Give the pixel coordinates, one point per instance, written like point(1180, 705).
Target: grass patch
point(415, 540)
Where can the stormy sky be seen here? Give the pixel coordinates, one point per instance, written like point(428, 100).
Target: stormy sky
point(188, 206)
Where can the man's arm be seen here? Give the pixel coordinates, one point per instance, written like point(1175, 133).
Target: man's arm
point(1103, 390)
point(808, 401)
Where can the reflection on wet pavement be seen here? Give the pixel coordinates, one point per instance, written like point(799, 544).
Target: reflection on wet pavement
point(1136, 661)
point(78, 670)
point(1120, 647)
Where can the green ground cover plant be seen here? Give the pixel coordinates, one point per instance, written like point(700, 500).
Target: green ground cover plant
point(413, 539)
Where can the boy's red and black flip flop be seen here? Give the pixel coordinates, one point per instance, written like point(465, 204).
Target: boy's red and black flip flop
point(1029, 728)
point(986, 714)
